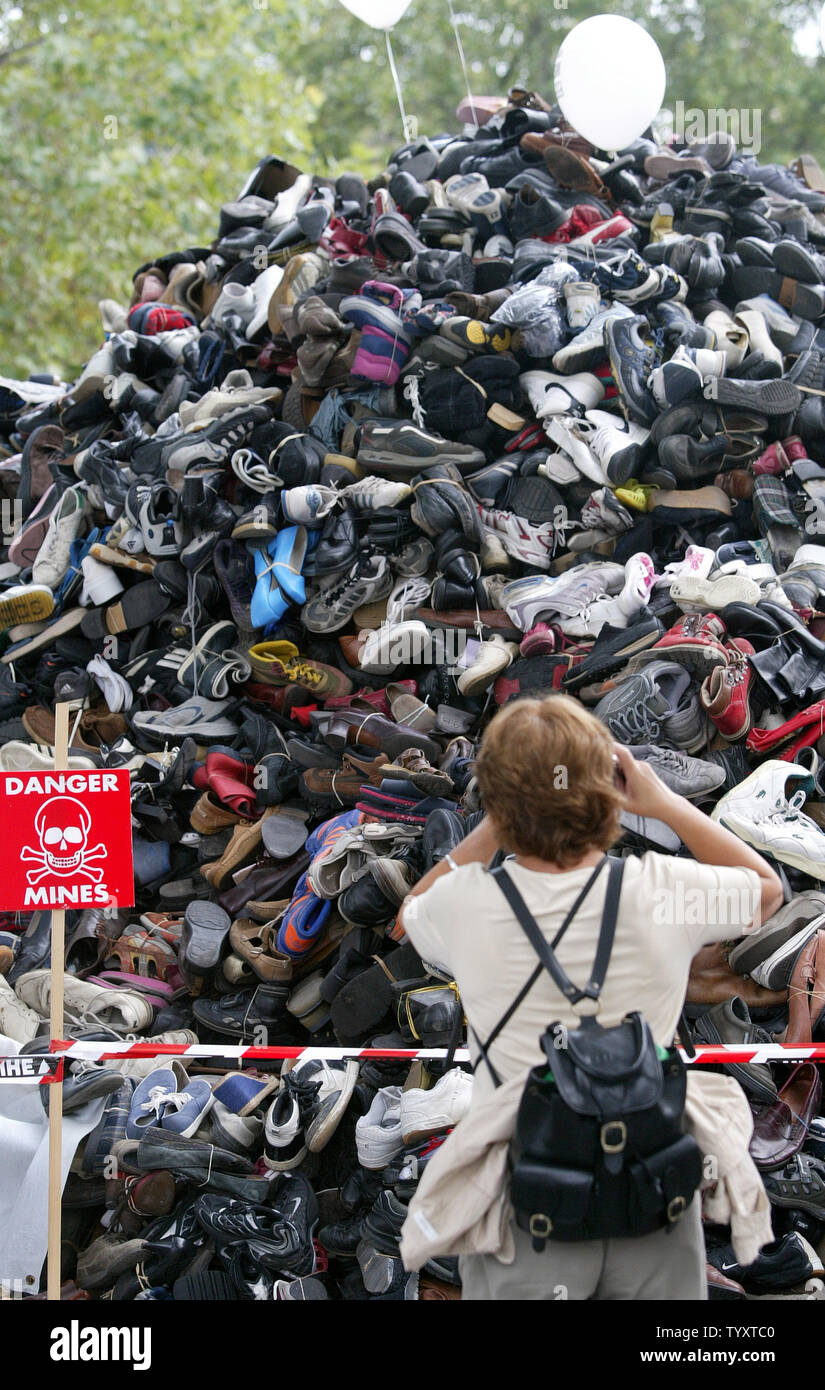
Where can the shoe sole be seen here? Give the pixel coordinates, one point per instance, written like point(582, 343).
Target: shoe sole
point(775, 970)
point(67, 622)
point(776, 397)
point(757, 947)
point(205, 928)
point(33, 607)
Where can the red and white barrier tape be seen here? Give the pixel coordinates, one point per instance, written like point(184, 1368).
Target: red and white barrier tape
point(713, 1054)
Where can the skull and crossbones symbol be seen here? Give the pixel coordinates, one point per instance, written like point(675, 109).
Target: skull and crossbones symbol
point(62, 826)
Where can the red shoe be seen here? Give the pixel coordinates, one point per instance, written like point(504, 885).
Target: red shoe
point(606, 231)
point(773, 461)
point(724, 693)
point(376, 698)
point(794, 448)
point(696, 642)
point(582, 219)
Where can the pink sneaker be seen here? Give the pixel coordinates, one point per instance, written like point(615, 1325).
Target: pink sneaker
point(539, 641)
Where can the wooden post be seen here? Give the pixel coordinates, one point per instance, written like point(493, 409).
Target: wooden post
point(61, 763)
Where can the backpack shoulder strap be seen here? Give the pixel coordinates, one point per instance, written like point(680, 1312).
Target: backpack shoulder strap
point(497, 869)
point(545, 952)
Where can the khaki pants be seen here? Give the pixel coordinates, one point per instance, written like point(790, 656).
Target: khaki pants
point(667, 1265)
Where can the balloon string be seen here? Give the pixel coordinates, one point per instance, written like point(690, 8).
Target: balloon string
point(405, 121)
point(460, 47)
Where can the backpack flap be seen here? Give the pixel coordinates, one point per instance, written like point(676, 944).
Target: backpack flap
point(606, 1071)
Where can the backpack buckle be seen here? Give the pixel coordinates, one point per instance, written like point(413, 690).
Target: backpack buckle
point(540, 1225)
point(676, 1207)
point(613, 1136)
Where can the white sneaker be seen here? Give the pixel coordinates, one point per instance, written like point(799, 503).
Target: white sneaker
point(489, 660)
point(334, 1083)
point(64, 525)
point(573, 435)
point(529, 599)
point(782, 832)
point(237, 389)
point(284, 1140)
point(393, 644)
point(697, 564)
point(550, 393)
point(368, 494)
point(431, 1112)
point(697, 595)
point(582, 298)
point(378, 1133)
point(588, 346)
point(17, 1020)
point(16, 756)
point(767, 787)
point(100, 583)
point(533, 543)
point(640, 576)
point(116, 691)
point(308, 504)
point(601, 446)
point(684, 374)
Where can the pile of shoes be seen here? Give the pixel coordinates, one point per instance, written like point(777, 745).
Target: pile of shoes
point(509, 418)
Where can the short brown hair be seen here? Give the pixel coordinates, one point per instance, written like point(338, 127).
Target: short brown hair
point(546, 777)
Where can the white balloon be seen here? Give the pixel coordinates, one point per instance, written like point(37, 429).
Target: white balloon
point(378, 14)
point(610, 80)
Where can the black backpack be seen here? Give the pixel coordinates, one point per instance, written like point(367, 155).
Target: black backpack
point(599, 1151)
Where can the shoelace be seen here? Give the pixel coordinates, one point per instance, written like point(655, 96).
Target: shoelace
point(782, 811)
point(638, 719)
point(158, 1097)
point(407, 593)
point(411, 394)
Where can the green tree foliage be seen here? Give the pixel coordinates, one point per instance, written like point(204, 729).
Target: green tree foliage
point(123, 129)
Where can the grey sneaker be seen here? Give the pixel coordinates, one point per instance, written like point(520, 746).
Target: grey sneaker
point(730, 1022)
point(689, 777)
point(653, 704)
point(370, 578)
point(790, 919)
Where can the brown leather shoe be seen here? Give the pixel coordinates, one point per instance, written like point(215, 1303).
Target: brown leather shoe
point(374, 731)
point(255, 944)
point(208, 815)
point(325, 786)
point(264, 882)
point(712, 981)
point(736, 483)
point(95, 727)
point(6, 959)
point(493, 618)
point(572, 170)
point(243, 848)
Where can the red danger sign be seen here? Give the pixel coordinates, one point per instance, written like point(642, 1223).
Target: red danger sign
point(66, 839)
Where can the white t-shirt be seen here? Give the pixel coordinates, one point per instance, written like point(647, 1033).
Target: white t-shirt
point(669, 909)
